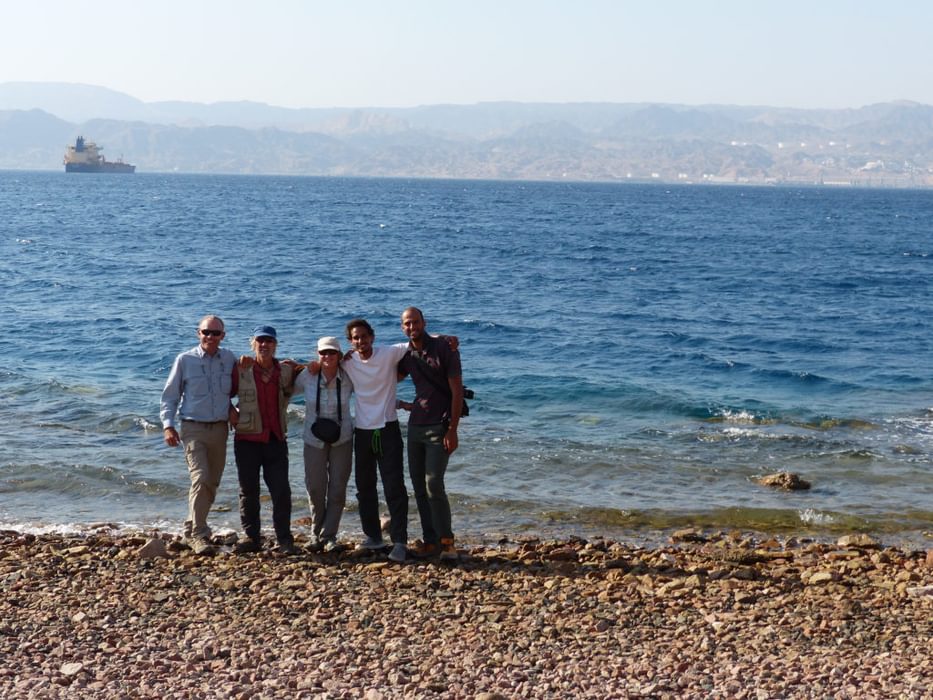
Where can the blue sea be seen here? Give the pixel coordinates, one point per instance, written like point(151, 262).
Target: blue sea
point(640, 354)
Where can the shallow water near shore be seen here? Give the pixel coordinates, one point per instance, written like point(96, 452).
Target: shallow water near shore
point(640, 354)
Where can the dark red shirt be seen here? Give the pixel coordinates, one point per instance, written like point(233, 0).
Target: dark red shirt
point(267, 396)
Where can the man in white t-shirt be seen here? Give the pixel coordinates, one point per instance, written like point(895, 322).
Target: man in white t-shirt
point(376, 436)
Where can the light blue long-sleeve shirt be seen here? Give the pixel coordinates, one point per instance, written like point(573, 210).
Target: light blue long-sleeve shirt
point(198, 387)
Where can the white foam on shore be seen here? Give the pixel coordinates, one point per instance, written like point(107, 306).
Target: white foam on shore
point(814, 517)
point(108, 528)
point(56, 528)
point(72, 529)
point(741, 417)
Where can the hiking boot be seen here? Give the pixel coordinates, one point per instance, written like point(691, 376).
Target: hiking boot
point(399, 553)
point(247, 545)
point(425, 550)
point(288, 549)
point(448, 551)
point(202, 546)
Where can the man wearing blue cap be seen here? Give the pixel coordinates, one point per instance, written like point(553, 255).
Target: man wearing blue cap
point(265, 388)
point(198, 392)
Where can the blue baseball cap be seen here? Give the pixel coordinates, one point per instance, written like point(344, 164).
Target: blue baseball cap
point(265, 332)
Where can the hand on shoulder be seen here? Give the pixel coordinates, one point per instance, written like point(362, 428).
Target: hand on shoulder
point(452, 340)
point(296, 366)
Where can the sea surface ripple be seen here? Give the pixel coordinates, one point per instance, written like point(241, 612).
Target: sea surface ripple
point(640, 354)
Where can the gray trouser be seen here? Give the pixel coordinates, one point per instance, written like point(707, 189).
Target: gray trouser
point(327, 471)
point(206, 452)
point(427, 465)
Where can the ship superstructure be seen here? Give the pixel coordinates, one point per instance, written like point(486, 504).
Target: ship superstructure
point(86, 157)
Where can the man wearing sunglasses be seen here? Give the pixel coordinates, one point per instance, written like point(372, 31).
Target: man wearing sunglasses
point(198, 392)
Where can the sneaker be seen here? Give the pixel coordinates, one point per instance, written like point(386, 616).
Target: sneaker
point(448, 551)
point(399, 553)
point(247, 545)
point(425, 550)
point(331, 546)
point(288, 549)
point(190, 540)
point(371, 544)
point(315, 545)
point(201, 546)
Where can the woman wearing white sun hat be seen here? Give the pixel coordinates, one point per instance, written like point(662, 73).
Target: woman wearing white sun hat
point(328, 441)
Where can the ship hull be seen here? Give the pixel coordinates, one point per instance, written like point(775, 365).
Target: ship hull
point(108, 167)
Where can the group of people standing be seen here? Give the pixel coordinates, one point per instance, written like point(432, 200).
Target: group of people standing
point(210, 391)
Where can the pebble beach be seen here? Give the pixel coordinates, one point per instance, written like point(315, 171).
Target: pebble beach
point(710, 615)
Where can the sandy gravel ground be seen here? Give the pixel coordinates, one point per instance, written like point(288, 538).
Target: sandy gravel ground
point(710, 616)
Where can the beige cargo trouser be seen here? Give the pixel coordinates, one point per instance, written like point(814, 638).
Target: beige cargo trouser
point(206, 453)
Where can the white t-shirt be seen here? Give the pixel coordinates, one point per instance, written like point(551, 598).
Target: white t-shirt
point(374, 381)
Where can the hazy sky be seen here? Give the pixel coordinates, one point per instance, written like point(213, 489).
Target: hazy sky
point(357, 53)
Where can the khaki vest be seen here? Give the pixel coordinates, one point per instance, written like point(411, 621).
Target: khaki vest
point(250, 422)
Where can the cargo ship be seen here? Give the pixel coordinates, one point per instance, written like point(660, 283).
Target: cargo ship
point(86, 157)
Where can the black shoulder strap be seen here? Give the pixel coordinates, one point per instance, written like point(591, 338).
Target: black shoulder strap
point(436, 384)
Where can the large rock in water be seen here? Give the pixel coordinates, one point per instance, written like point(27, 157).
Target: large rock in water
point(785, 480)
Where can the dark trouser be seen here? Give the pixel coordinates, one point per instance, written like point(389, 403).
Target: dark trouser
point(382, 446)
point(272, 458)
point(427, 464)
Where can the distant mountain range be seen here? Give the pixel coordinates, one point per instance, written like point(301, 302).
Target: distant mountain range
point(888, 144)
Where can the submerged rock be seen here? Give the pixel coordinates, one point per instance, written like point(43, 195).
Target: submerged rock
point(689, 534)
point(785, 480)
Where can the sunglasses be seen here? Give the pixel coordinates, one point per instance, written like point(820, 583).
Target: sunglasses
point(209, 332)
point(327, 352)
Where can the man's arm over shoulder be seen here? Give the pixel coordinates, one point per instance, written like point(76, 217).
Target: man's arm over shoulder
point(398, 350)
point(301, 381)
point(402, 367)
point(289, 376)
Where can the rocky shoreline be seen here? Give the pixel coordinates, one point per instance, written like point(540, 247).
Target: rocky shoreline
point(708, 616)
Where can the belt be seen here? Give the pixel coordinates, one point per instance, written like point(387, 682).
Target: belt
point(202, 422)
